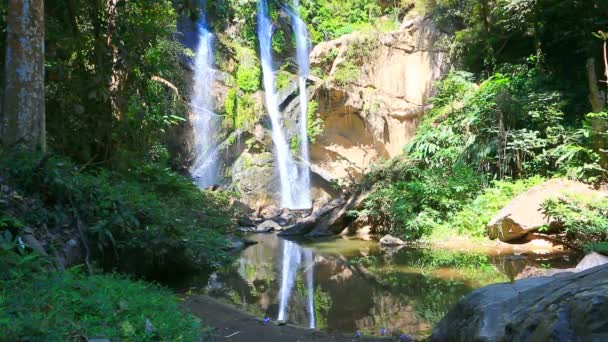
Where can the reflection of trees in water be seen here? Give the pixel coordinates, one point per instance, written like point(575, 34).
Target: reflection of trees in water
point(409, 290)
point(393, 313)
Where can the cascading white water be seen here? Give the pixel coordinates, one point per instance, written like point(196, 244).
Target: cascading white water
point(293, 196)
point(310, 286)
point(303, 58)
point(291, 262)
point(205, 122)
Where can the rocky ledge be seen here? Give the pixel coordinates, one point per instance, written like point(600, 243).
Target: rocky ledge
point(564, 307)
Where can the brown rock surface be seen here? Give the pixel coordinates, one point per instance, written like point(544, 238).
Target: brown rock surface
point(376, 114)
point(523, 215)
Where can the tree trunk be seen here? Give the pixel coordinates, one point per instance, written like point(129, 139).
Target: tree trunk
point(115, 77)
point(24, 119)
point(595, 96)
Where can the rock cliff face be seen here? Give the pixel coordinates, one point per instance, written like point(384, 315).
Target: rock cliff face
point(375, 89)
point(369, 90)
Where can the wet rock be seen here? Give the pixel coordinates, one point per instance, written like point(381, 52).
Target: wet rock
point(267, 227)
point(237, 244)
point(33, 243)
point(253, 176)
point(591, 260)
point(74, 253)
point(566, 307)
point(308, 224)
point(389, 240)
point(246, 221)
point(338, 219)
point(524, 215)
point(270, 212)
point(287, 218)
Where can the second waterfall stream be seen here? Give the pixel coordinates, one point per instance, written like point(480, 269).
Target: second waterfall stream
point(294, 176)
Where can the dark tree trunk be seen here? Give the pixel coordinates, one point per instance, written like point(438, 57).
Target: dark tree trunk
point(24, 117)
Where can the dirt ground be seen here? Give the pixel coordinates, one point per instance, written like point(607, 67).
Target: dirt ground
point(234, 325)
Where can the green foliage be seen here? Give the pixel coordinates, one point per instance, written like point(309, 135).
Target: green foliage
point(241, 108)
point(146, 220)
point(584, 220)
point(37, 304)
point(249, 77)
point(346, 73)
point(490, 33)
point(283, 78)
point(316, 125)
point(117, 87)
point(410, 201)
point(363, 48)
point(295, 144)
point(510, 127)
point(329, 19)
point(506, 127)
point(582, 155)
point(241, 12)
point(279, 42)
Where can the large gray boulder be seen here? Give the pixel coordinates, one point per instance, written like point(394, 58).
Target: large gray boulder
point(330, 219)
point(267, 227)
point(565, 307)
point(524, 215)
point(591, 260)
point(307, 224)
point(389, 240)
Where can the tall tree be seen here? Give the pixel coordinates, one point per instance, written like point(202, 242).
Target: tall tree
point(24, 117)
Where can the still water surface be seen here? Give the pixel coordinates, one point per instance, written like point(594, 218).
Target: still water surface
point(349, 285)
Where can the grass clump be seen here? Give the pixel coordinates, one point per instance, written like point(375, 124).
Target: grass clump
point(346, 73)
point(39, 304)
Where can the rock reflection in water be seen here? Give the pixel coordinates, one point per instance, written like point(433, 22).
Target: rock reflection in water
point(351, 285)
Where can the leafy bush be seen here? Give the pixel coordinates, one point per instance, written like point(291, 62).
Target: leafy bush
point(316, 125)
point(329, 19)
point(363, 48)
point(584, 220)
point(283, 79)
point(508, 127)
point(241, 108)
point(582, 154)
point(346, 73)
point(145, 220)
point(37, 304)
point(249, 77)
point(411, 204)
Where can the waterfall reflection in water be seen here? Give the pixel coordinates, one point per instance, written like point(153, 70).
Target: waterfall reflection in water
point(292, 257)
point(356, 286)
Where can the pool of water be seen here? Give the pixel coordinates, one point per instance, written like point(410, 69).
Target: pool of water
point(349, 285)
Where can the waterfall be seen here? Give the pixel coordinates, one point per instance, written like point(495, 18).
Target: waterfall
point(291, 263)
point(310, 286)
point(303, 58)
point(293, 195)
point(205, 122)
